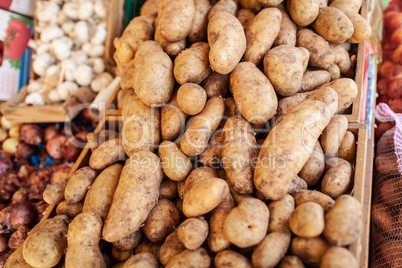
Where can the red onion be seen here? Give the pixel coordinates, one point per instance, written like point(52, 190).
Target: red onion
point(50, 132)
point(60, 172)
point(23, 214)
point(3, 243)
point(41, 207)
point(38, 180)
point(31, 134)
point(82, 135)
point(55, 145)
point(24, 151)
point(70, 151)
point(6, 226)
point(3, 258)
point(20, 196)
point(5, 165)
point(17, 238)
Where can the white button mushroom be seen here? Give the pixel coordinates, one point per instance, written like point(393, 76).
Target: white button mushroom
point(35, 85)
point(35, 99)
point(71, 10)
point(54, 96)
point(96, 50)
point(83, 75)
point(68, 27)
point(86, 48)
point(46, 11)
point(85, 10)
point(101, 81)
point(51, 32)
point(81, 32)
point(42, 62)
point(100, 35)
point(62, 48)
point(100, 9)
point(78, 57)
point(66, 88)
point(62, 18)
point(97, 64)
point(69, 70)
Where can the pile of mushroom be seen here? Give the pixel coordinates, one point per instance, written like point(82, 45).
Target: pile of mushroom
point(69, 51)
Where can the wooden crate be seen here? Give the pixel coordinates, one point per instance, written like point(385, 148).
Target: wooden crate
point(15, 111)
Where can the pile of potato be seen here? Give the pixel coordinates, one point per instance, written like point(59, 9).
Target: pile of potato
point(203, 181)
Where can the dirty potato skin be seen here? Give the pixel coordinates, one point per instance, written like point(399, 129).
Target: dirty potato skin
point(347, 91)
point(245, 16)
point(168, 189)
point(193, 232)
point(140, 260)
point(172, 119)
point(216, 84)
point(253, 93)
point(230, 258)
point(191, 98)
point(314, 79)
point(176, 18)
point(228, 6)
point(291, 262)
point(170, 248)
point(190, 258)
point(71, 210)
point(271, 250)
point(307, 220)
point(129, 242)
point(270, 3)
point(176, 164)
point(227, 42)
point(338, 257)
point(78, 184)
point(171, 48)
point(303, 196)
point(279, 214)
point(333, 135)
point(199, 29)
point(362, 28)
point(303, 12)
point(314, 168)
point(149, 8)
point(54, 193)
point(107, 153)
point(195, 177)
point(297, 184)
point(288, 29)
point(347, 150)
point(309, 250)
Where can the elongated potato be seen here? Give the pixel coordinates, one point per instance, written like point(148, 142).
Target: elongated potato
point(176, 165)
point(170, 248)
point(190, 258)
point(270, 3)
point(140, 180)
point(303, 196)
point(191, 98)
point(161, 221)
point(52, 233)
point(347, 150)
point(347, 92)
point(71, 210)
point(149, 8)
point(338, 179)
point(216, 84)
point(83, 236)
point(227, 42)
point(321, 54)
point(245, 16)
point(314, 168)
point(236, 196)
point(307, 220)
point(107, 153)
point(228, 6)
point(246, 225)
point(168, 189)
point(78, 184)
point(288, 29)
point(54, 193)
point(217, 240)
point(310, 250)
point(100, 195)
point(297, 184)
point(338, 257)
point(198, 31)
point(303, 12)
point(195, 205)
point(140, 260)
point(341, 58)
point(347, 6)
point(129, 242)
point(230, 258)
point(333, 25)
point(16, 259)
point(333, 135)
point(261, 34)
point(271, 250)
point(172, 119)
point(212, 154)
point(195, 177)
point(362, 28)
point(193, 232)
point(240, 149)
point(289, 153)
point(141, 126)
point(153, 76)
point(253, 93)
point(176, 18)
point(291, 262)
point(195, 139)
point(344, 222)
point(192, 65)
point(279, 213)
point(314, 79)
point(284, 67)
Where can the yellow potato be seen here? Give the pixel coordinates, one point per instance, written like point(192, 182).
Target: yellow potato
point(270, 3)
point(148, 247)
point(310, 250)
point(216, 84)
point(196, 176)
point(212, 154)
point(171, 48)
point(228, 6)
point(230, 258)
point(297, 184)
point(314, 168)
point(333, 135)
point(190, 258)
point(168, 189)
point(288, 29)
point(341, 58)
point(245, 16)
point(314, 79)
point(54, 193)
point(303, 196)
point(291, 262)
point(191, 98)
point(140, 260)
point(149, 8)
point(303, 12)
point(352, 6)
point(198, 32)
point(347, 91)
point(338, 179)
point(130, 242)
point(338, 257)
point(121, 255)
point(271, 250)
point(254, 5)
point(107, 153)
point(71, 210)
point(279, 213)
point(170, 248)
point(172, 119)
point(362, 28)
point(307, 220)
point(334, 70)
point(78, 184)
point(176, 165)
point(193, 232)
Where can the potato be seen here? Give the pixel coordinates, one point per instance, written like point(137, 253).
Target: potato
point(191, 98)
point(230, 258)
point(100, 195)
point(347, 91)
point(149, 8)
point(334, 71)
point(297, 184)
point(314, 79)
point(288, 29)
point(239, 150)
point(321, 54)
point(83, 236)
point(352, 6)
point(130, 242)
point(261, 34)
point(362, 28)
point(333, 25)
point(172, 119)
point(307, 220)
point(236, 196)
point(135, 196)
point(271, 250)
point(253, 93)
point(303, 12)
point(279, 213)
point(140, 260)
point(16, 259)
point(217, 240)
point(162, 220)
point(338, 179)
point(333, 134)
point(193, 232)
point(245, 16)
point(246, 225)
point(227, 42)
point(254, 5)
point(168, 189)
point(190, 258)
point(282, 155)
point(198, 31)
point(121, 255)
point(171, 48)
point(314, 168)
point(195, 177)
point(228, 6)
point(107, 153)
point(347, 150)
point(194, 202)
point(78, 184)
point(127, 78)
point(270, 3)
point(310, 250)
point(304, 196)
point(148, 247)
point(46, 242)
point(141, 126)
point(195, 139)
point(170, 248)
point(338, 257)
point(212, 154)
point(341, 58)
point(192, 65)
point(54, 193)
point(344, 222)
point(216, 84)
point(176, 165)
point(175, 18)
point(71, 210)
point(283, 65)
point(291, 262)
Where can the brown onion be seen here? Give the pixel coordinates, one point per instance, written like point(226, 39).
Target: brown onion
point(3, 243)
point(41, 207)
point(60, 172)
point(70, 151)
point(20, 196)
point(31, 134)
point(6, 226)
point(50, 132)
point(38, 180)
point(17, 238)
point(3, 258)
point(82, 135)
point(24, 151)
point(23, 214)
point(55, 145)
